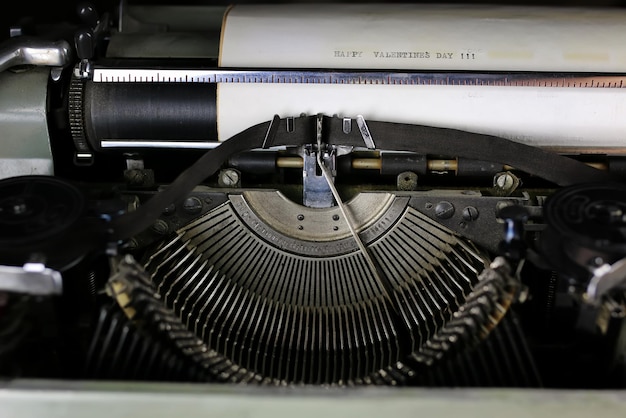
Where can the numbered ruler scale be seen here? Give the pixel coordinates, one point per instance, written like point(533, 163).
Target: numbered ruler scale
point(520, 79)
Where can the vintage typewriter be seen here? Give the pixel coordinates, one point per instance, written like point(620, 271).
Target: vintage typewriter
point(315, 195)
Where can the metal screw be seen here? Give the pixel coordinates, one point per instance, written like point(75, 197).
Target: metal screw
point(444, 210)
point(428, 205)
point(160, 227)
point(229, 178)
point(470, 213)
point(335, 217)
point(300, 217)
point(192, 205)
point(506, 182)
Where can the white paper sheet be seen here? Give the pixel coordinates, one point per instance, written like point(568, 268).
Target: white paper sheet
point(548, 117)
point(499, 38)
point(422, 36)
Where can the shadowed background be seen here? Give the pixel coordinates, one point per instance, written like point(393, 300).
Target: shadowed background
point(55, 11)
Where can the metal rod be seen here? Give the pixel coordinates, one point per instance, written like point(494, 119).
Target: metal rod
point(328, 176)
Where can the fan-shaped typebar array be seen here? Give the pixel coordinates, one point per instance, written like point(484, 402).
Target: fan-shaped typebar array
point(284, 315)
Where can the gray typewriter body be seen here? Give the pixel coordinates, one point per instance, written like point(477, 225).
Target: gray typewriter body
point(197, 199)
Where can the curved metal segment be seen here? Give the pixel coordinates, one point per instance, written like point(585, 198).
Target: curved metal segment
point(288, 316)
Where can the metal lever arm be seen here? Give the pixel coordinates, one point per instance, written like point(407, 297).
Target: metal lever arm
point(25, 51)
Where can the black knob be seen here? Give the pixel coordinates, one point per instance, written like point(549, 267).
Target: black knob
point(88, 14)
point(83, 39)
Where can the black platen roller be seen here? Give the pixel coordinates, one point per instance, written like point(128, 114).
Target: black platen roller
point(150, 111)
